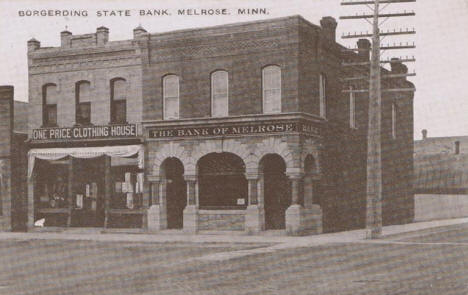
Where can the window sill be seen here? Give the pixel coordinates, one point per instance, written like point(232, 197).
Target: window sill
point(118, 123)
point(49, 126)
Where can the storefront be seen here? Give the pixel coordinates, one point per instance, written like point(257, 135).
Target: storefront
point(95, 179)
point(248, 173)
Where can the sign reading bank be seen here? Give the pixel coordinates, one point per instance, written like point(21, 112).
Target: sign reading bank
point(85, 132)
point(235, 129)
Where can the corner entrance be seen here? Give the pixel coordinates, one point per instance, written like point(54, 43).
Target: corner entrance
point(277, 194)
point(176, 192)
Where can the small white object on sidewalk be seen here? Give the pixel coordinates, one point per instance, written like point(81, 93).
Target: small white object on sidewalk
point(40, 222)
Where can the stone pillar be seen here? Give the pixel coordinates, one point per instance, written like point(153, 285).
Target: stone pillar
point(146, 201)
point(191, 210)
point(157, 213)
point(107, 188)
point(255, 212)
point(295, 212)
point(312, 211)
point(31, 182)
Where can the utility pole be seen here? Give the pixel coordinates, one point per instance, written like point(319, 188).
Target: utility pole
point(374, 135)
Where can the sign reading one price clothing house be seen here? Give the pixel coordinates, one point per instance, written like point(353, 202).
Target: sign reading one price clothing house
point(85, 132)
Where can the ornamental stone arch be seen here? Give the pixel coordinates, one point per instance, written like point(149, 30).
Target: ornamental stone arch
point(311, 148)
point(243, 151)
point(170, 150)
point(230, 146)
point(274, 145)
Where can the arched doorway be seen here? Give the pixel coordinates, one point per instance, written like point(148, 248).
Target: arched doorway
point(277, 191)
point(172, 171)
point(222, 182)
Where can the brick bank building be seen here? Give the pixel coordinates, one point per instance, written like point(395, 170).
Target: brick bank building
point(240, 127)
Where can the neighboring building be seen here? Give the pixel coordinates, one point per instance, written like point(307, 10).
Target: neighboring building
point(234, 127)
point(13, 129)
point(441, 177)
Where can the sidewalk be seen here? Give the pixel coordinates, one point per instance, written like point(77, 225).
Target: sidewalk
point(279, 241)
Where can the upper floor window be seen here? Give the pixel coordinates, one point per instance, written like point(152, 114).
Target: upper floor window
point(49, 105)
point(219, 94)
point(171, 97)
point(83, 102)
point(323, 95)
point(271, 77)
point(394, 120)
point(352, 108)
point(119, 89)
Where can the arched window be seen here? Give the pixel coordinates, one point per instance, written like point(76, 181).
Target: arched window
point(83, 102)
point(171, 97)
point(219, 94)
point(271, 77)
point(323, 95)
point(49, 105)
point(119, 88)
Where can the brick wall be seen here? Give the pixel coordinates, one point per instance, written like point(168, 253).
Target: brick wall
point(6, 134)
point(242, 50)
point(98, 64)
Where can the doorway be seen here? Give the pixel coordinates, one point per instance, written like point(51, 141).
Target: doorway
point(176, 192)
point(88, 192)
point(277, 191)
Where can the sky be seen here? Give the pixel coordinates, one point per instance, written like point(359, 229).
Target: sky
point(441, 99)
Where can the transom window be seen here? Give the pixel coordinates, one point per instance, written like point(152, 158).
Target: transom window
point(49, 105)
point(83, 103)
point(271, 77)
point(171, 97)
point(219, 94)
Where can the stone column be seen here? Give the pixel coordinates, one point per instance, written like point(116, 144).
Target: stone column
point(255, 212)
point(146, 201)
point(312, 211)
point(70, 189)
point(31, 183)
point(107, 188)
point(157, 214)
point(295, 212)
point(191, 210)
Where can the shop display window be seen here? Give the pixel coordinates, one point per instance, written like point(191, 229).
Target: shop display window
point(127, 187)
point(52, 184)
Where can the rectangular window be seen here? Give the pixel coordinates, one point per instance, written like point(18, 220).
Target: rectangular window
point(50, 115)
point(83, 116)
point(219, 94)
point(119, 90)
point(323, 96)
point(49, 105)
point(171, 97)
point(272, 90)
point(119, 111)
point(352, 109)
point(394, 118)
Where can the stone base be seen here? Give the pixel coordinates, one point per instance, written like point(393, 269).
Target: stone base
point(157, 219)
point(191, 219)
point(313, 220)
point(254, 219)
point(5, 224)
point(300, 221)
